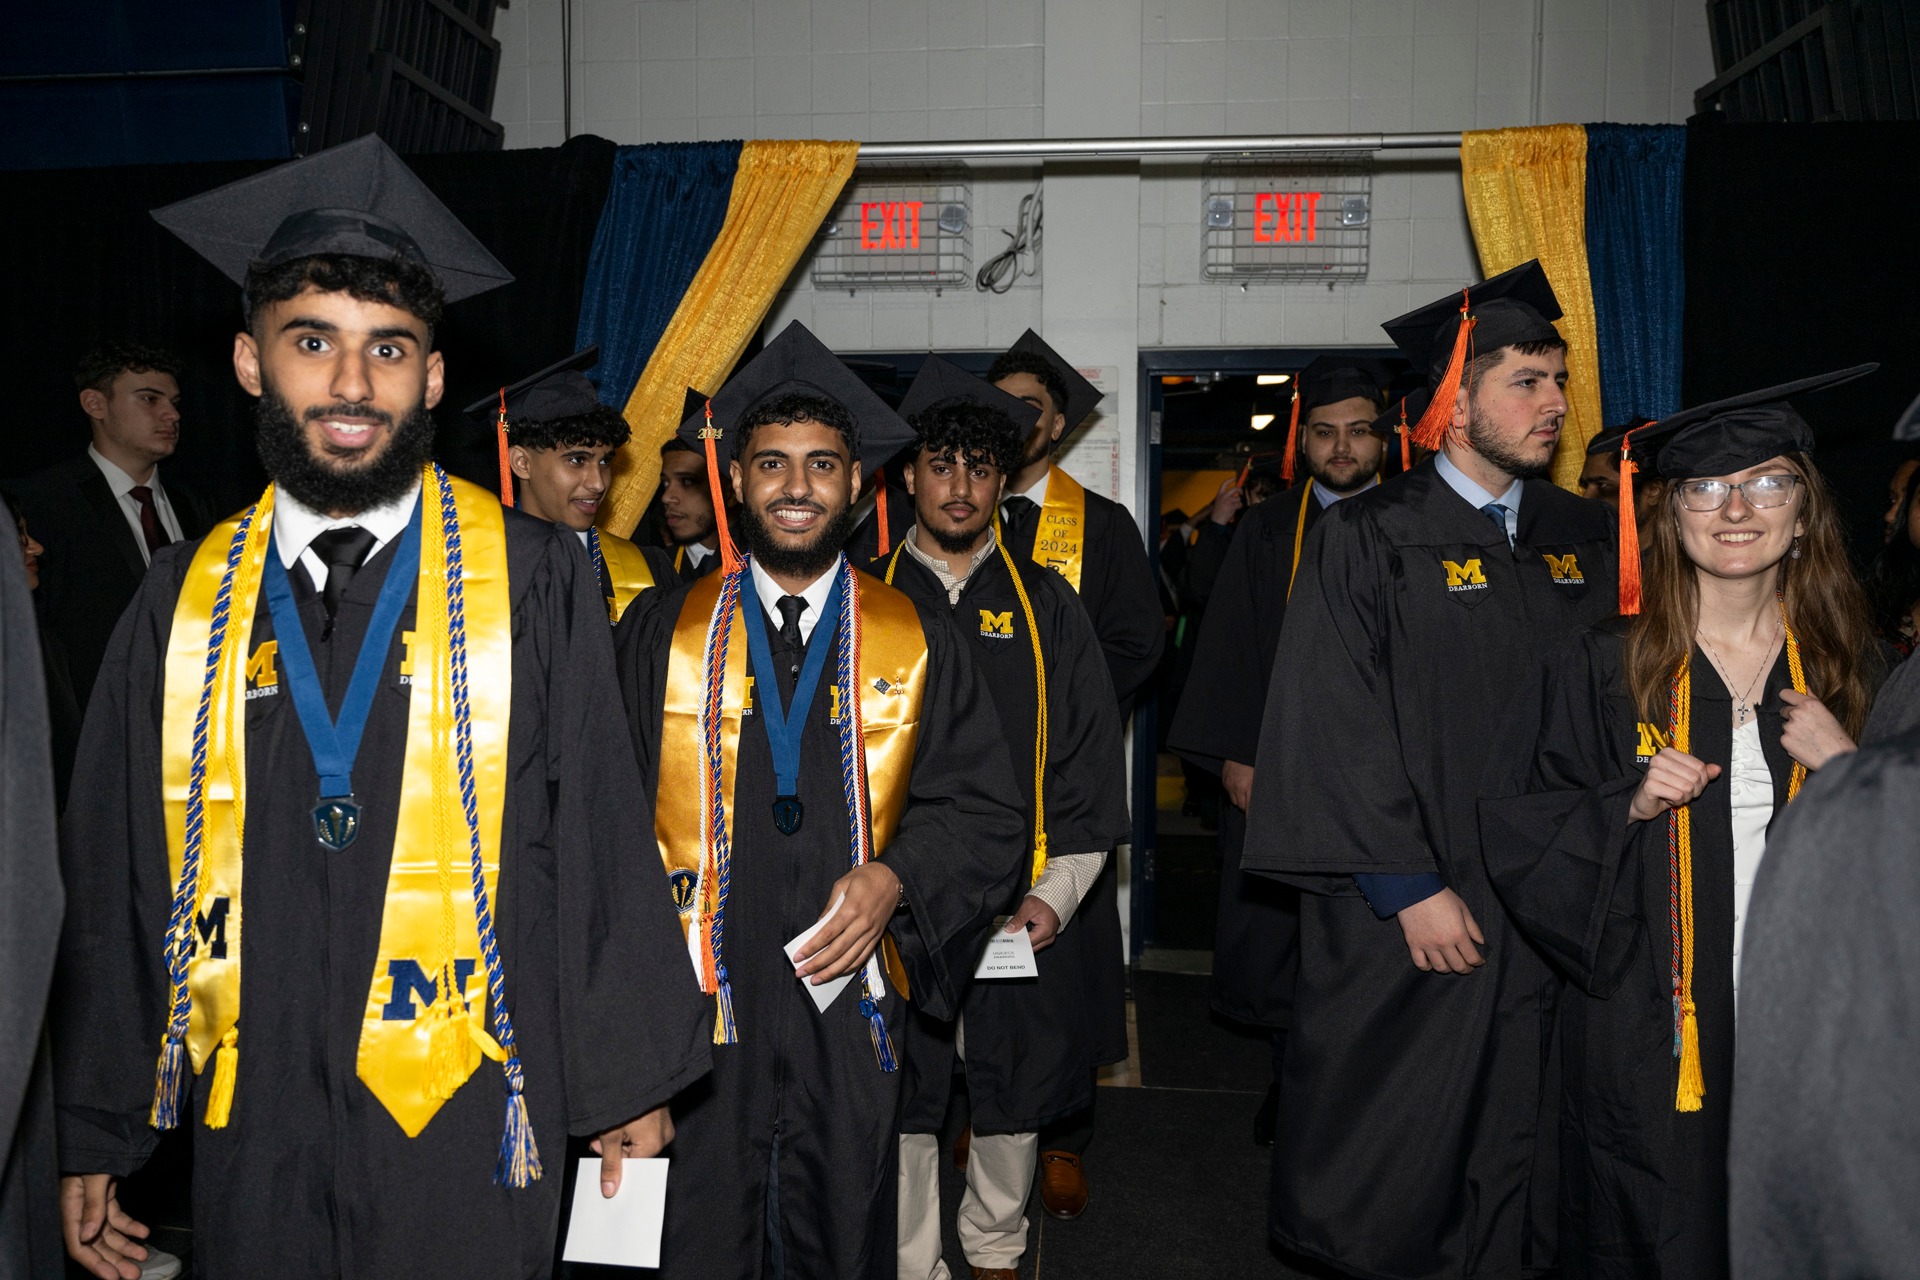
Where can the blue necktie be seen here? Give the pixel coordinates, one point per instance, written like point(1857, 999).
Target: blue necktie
point(1497, 512)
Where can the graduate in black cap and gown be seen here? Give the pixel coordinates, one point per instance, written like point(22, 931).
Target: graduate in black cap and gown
point(686, 501)
point(1330, 435)
point(1670, 739)
point(384, 694)
point(556, 443)
point(821, 750)
point(1030, 1046)
point(1416, 1062)
point(1048, 517)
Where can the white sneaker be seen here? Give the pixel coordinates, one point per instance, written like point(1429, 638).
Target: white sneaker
point(160, 1266)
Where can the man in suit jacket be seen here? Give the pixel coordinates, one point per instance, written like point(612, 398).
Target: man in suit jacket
point(102, 515)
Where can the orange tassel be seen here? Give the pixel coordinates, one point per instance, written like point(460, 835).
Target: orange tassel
point(1293, 435)
point(506, 467)
point(1439, 415)
point(880, 508)
point(729, 555)
point(1406, 441)
point(1629, 534)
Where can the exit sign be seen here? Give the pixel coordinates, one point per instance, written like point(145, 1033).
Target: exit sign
point(898, 227)
point(1287, 217)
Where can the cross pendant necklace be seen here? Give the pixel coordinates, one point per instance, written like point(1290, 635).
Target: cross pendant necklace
point(1742, 702)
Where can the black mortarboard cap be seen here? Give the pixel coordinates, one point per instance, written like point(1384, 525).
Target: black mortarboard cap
point(941, 380)
point(1082, 395)
point(358, 198)
point(1336, 377)
point(561, 390)
point(796, 363)
point(1518, 305)
point(1725, 436)
point(1609, 439)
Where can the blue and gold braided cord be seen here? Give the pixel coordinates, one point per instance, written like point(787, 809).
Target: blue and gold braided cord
point(853, 781)
point(719, 632)
point(519, 1163)
point(170, 1073)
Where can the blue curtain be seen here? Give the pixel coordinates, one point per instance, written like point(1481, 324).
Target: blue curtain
point(1635, 176)
point(663, 212)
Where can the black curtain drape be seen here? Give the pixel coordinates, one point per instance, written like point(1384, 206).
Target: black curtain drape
point(86, 263)
point(1803, 256)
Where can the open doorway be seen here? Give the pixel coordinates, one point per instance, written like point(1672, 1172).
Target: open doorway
point(1215, 421)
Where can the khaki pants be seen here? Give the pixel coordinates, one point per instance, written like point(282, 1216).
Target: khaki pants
point(993, 1221)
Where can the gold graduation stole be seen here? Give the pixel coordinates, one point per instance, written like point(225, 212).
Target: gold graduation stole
point(423, 1032)
point(701, 729)
point(1060, 541)
point(626, 567)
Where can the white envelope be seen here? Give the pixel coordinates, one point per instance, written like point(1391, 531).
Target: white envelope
point(826, 993)
point(624, 1231)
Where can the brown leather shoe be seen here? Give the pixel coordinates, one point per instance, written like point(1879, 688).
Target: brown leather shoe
point(1063, 1184)
point(961, 1146)
point(994, 1273)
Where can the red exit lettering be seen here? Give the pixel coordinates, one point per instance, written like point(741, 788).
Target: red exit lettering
point(1286, 217)
point(890, 224)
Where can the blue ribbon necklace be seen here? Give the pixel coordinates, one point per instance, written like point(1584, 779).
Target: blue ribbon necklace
point(335, 744)
point(785, 726)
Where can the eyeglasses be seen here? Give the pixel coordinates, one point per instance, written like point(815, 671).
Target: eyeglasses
point(1760, 492)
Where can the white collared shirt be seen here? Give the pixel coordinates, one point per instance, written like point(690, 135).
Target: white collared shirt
point(1035, 493)
point(697, 552)
point(1478, 498)
point(938, 567)
point(296, 525)
point(1328, 497)
point(122, 485)
point(815, 595)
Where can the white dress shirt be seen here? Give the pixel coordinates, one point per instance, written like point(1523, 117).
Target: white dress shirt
point(296, 525)
point(1328, 497)
point(697, 552)
point(815, 595)
point(1036, 493)
point(122, 485)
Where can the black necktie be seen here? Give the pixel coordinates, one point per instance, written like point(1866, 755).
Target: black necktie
point(791, 607)
point(1022, 514)
point(342, 551)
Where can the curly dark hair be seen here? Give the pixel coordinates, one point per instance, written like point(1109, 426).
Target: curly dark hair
point(402, 282)
point(797, 407)
point(598, 426)
point(103, 363)
point(963, 430)
point(1012, 362)
point(1893, 581)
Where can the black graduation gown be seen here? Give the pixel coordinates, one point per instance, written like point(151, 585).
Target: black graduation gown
point(1118, 589)
point(1033, 1044)
point(1825, 1157)
point(802, 1091)
point(1643, 1186)
point(312, 1176)
point(1256, 945)
point(30, 904)
point(1410, 1101)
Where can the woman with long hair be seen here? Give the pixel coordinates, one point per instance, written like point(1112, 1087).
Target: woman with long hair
point(1671, 737)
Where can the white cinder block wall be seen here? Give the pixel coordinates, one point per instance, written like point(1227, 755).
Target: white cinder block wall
point(879, 70)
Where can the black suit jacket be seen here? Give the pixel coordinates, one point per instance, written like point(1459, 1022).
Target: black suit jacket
point(92, 566)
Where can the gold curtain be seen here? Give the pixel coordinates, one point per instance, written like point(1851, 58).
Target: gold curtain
point(782, 191)
point(1526, 193)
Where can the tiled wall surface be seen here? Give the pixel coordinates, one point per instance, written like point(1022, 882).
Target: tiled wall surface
point(878, 70)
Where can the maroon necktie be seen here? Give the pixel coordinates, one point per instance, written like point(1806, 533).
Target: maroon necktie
point(150, 527)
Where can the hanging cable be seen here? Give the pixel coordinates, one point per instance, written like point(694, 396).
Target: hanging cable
point(1021, 258)
point(566, 69)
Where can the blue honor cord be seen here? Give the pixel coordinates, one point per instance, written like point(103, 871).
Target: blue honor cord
point(785, 726)
point(334, 745)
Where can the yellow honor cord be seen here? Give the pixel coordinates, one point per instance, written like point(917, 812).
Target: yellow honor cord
point(1299, 536)
point(1040, 684)
point(1691, 1087)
